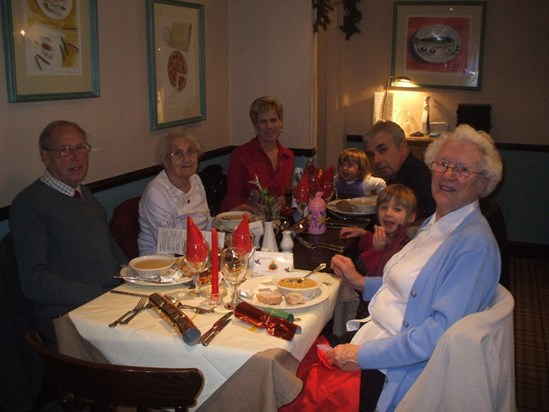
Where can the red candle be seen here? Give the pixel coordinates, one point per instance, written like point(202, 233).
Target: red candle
point(215, 265)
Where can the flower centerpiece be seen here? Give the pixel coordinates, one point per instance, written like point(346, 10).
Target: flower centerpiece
point(265, 204)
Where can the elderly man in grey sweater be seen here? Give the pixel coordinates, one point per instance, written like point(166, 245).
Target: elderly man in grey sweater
point(65, 253)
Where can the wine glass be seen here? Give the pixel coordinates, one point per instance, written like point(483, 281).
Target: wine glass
point(233, 266)
point(197, 259)
point(301, 194)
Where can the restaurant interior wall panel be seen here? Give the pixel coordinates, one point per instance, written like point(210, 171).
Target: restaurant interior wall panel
point(118, 120)
point(271, 53)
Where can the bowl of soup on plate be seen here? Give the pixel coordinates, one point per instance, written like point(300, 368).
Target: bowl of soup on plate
point(151, 266)
point(297, 284)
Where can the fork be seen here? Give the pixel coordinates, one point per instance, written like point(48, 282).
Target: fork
point(137, 308)
point(313, 246)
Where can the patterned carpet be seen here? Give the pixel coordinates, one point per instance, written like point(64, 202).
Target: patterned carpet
point(530, 288)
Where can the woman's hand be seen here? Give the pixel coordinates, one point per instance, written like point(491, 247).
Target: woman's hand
point(351, 232)
point(379, 240)
point(345, 357)
point(344, 267)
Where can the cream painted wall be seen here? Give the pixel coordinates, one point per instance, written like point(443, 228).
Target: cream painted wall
point(515, 64)
point(271, 53)
point(118, 120)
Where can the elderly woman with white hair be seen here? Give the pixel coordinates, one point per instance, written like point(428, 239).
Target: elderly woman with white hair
point(175, 193)
point(450, 269)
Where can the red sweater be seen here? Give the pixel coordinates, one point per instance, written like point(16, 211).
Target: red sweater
point(248, 161)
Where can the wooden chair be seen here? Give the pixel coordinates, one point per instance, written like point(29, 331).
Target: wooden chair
point(141, 387)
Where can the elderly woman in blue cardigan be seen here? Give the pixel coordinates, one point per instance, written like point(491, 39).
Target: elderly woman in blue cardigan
point(449, 270)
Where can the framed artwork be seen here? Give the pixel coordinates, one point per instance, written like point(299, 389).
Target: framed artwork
point(177, 88)
point(50, 49)
point(439, 44)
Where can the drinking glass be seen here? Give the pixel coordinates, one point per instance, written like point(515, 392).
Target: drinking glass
point(234, 264)
point(301, 195)
point(197, 258)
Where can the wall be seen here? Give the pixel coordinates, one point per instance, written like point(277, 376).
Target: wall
point(118, 120)
point(516, 33)
point(271, 53)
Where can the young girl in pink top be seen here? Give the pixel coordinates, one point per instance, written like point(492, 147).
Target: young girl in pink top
point(396, 211)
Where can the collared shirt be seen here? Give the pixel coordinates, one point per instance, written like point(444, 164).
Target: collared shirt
point(388, 305)
point(51, 181)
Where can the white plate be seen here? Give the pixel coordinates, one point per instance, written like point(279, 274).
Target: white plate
point(228, 221)
point(55, 9)
point(362, 206)
point(267, 282)
point(128, 275)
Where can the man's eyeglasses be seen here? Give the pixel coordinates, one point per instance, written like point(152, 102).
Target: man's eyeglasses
point(67, 151)
point(457, 170)
point(178, 154)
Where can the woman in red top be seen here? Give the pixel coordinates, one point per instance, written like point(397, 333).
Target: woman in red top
point(263, 156)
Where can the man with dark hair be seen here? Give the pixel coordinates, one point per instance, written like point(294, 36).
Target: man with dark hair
point(389, 155)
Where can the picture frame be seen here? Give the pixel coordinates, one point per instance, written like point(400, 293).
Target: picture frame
point(50, 49)
point(439, 44)
point(176, 57)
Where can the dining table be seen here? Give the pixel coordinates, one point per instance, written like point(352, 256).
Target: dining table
point(244, 367)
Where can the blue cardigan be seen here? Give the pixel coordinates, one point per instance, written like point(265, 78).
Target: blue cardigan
point(459, 279)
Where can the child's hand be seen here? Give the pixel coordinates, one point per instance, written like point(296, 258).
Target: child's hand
point(379, 240)
point(350, 232)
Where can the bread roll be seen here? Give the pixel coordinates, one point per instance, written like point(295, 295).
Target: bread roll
point(344, 206)
point(269, 297)
point(294, 298)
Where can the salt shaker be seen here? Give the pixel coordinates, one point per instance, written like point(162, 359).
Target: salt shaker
point(287, 244)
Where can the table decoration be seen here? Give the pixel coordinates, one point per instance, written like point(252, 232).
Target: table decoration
point(275, 326)
point(196, 253)
point(272, 263)
point(214, 297)
point(181, 322)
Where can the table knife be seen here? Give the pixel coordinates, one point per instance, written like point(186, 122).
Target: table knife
point(215, 329)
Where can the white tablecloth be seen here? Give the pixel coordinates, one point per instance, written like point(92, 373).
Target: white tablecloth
point(150, 341)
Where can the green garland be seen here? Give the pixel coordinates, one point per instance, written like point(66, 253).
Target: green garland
point(350, 19)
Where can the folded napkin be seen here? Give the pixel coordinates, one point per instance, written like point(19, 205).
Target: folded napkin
point(196, 248)
point(327, 182)
point(241, 235)
point(301, 191)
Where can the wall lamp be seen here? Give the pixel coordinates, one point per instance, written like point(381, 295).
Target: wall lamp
point(395, 81)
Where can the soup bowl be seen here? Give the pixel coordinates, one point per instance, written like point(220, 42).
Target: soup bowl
point(151, 266)
point(296, 284)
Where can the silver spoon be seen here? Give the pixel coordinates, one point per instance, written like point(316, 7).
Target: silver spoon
point(317, 269)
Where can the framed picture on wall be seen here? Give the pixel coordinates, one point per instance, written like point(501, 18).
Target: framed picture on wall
point(50, 49)
point(439, 44)
point(176, 62)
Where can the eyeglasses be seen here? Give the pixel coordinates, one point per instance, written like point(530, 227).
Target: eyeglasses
point(457, 170)
point(67, 151)
point(178, 154)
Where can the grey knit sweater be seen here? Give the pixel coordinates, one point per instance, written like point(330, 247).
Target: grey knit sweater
point(65, 253)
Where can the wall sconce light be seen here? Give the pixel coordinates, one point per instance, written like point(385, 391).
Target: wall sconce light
point(394, 81)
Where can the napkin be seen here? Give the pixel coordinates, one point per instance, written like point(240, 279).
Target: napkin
point(243, 239)
point(194, 237)
point(301, 191)
point(327, 182)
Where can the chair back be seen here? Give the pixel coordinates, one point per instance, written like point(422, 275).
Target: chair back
point(473, 365)
point(21, 367)
point(215, 185)
point(124, 226)
point(118, 384)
